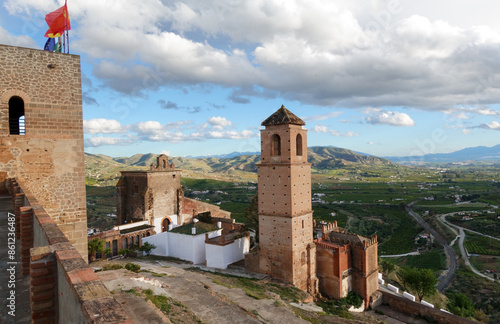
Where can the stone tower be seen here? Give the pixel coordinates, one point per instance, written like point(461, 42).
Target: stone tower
point(154, 195)
point(41, 134)
point(287, 251)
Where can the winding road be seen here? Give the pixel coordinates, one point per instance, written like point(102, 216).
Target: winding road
point(446, 277)
point(461, 243)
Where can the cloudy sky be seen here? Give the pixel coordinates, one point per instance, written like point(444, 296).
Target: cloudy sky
point(197, 77)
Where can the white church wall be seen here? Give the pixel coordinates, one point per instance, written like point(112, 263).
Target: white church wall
point(220, 257)
point(186, 247)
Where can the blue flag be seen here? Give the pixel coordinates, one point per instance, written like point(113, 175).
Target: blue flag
point(49, 46)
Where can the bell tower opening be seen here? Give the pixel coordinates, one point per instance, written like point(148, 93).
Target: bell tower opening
point(298, 144)
point(275, 145)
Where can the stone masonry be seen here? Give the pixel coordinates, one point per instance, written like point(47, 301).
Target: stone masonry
point(48, 159)
point(286, 248)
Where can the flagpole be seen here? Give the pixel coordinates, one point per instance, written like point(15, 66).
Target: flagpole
point(66, 22)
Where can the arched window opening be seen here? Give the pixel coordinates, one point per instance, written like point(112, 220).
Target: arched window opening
point(303, 258)
point(275, 145)
point(16, 116)
point(299, 145)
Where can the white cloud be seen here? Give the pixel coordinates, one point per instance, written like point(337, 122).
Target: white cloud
point(330, 53)
point(318, 128)
point(184, 131)
point(493, 125)
point(103, 126)
point(21, 40)
point(332, 114)
point(101, 141)
point(350, 134)
point(464, 112)
point(466, 131)
point(392, 118)
point(219, 122)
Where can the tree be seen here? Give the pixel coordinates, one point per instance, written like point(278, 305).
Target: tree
point(421, 282)
point(252, 216)
point(95, 246)
point(147, 248)
point(461, 305)
point(387, 266)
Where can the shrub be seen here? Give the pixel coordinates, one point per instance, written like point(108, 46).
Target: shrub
point(147, 248)
point(133, 267)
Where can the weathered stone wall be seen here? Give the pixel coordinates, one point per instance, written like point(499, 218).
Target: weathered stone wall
point(365, 266)
point(162, 196)
point(190, 206)
point(63, 288)
point(410, 307)
point(49, 158)
point(131, 190)
point(333, 263)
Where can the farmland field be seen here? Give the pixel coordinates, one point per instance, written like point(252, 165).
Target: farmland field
point(476, 244)
point(434, 260)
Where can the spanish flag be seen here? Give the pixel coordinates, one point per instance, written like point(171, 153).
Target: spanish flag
point(58, 22)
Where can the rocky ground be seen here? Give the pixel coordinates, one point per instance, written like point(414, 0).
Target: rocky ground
point(195, 296)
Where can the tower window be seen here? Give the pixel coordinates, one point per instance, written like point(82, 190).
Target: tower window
point(16, 116)
point(275, 145)
point(299, 145)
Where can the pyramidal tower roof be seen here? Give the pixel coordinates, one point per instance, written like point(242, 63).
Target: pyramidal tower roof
point(282, 116)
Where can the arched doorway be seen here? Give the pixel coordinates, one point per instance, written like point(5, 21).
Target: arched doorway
point(164, 224)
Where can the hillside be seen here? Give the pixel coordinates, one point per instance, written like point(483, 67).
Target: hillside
point(330, 157)
point(239, 167)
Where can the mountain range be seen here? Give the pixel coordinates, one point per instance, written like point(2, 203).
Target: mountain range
point(478, 153)
point(321, 158)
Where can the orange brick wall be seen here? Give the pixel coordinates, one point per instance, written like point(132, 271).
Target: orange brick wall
point(49, 159)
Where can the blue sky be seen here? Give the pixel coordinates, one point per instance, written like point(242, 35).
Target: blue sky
point(189, 78)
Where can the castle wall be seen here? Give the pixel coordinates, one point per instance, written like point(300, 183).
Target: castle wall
point(193, 206)
point(333, 264)
point(131, 189)
point(49, 158)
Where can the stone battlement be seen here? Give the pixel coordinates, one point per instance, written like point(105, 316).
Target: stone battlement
point(57, 269)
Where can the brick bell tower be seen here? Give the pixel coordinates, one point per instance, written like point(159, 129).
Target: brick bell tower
point(287, 251)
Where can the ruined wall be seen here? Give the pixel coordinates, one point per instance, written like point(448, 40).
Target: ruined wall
point(410, 307)
point(333, 264)
point(131, 188)
point(49, 158)
point(365, 272)
point(162, 194)
point(193, 206)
